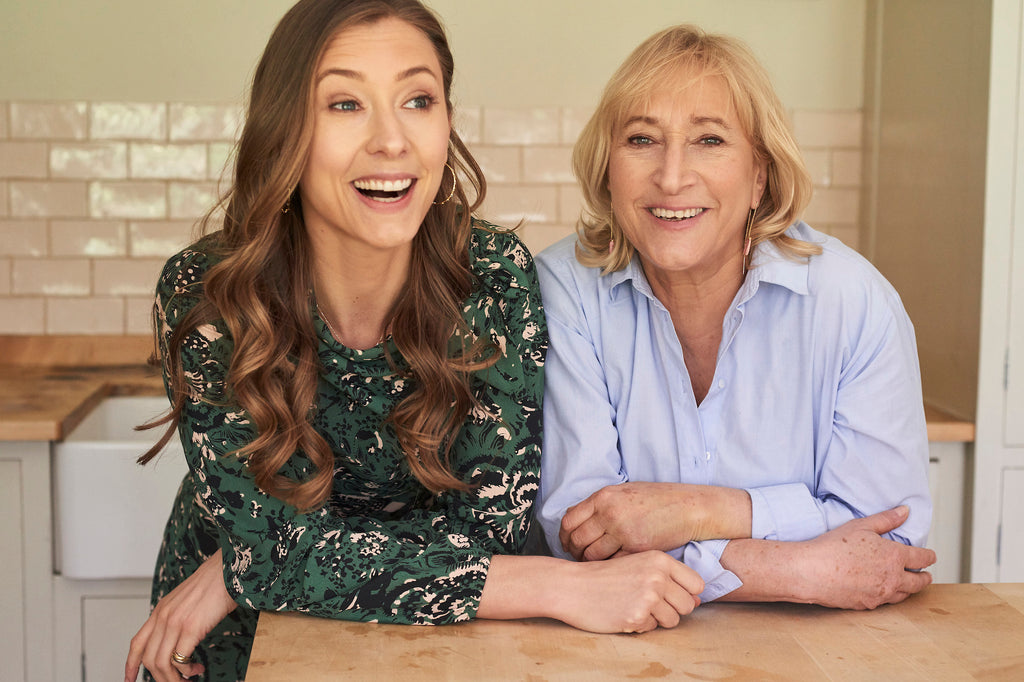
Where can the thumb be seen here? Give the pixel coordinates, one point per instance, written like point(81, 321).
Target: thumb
point(885, 521)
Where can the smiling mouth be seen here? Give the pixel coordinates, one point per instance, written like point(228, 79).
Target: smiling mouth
point(384, 191)
point(666, 214)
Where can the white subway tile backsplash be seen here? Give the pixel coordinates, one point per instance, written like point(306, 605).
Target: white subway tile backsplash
point(126, 277)
point(89, 160)
point(521, 126)
point(220, 162)
point(499, 164)
point(138, 312)
point(23, 159)
point(90, 238)
point(509, 204)
point(828, 128)
point(128, 121)
point(85, 316)
point(51, 276)
point(573, 121)
point(167, 161)
point(94, 198)
point(570, 204)
point(46, 120)
point(127, 199)
point(160, 238)
point(23, 238)
point(468, 123)
point(21, 315)
point(846, 167)
point(205, 122)
point(547, 164)
point(48, 199)
point(833, 206)
point(191, 200)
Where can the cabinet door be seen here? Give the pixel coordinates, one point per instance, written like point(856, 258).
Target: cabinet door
point(1011, 540)
point(108, 625)
point(12, 574)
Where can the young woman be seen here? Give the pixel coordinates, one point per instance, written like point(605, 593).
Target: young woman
point(355, 371)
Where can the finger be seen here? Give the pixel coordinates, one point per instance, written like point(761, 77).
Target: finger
point(586, 534)
point(604, 547)
point(687, 578)
point(884, 521)
point(918, 557)
point(577, 514)
point(913, 582)
point(665, 614)
point(135, 650)
point(682, 601)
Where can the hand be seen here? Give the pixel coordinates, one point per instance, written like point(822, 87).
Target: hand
point(853, 567)
point(179, 622)
point(633, 593)
point(639, 516)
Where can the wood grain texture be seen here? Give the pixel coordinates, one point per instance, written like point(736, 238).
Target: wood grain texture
point(947, 632)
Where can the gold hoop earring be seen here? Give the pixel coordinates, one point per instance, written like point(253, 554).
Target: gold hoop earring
point(454, 183)
point(288, 202)
point(746, 240)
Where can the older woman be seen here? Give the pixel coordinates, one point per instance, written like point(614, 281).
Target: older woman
point(725, 383)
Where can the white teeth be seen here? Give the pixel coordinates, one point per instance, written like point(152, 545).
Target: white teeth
point(383, 185)
point(675, 215)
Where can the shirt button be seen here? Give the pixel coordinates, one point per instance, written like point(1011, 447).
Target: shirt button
point(707, 455)
point(721, 383)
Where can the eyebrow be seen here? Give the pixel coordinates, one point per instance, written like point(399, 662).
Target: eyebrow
point(699, 120)
point(356, 75)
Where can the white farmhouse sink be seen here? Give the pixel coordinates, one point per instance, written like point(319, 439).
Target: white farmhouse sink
point(110, 512)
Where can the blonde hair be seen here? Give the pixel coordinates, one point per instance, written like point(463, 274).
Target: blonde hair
point(260, 287)
point(680, 49)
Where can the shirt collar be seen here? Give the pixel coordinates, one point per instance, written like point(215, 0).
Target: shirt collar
point(768, 265)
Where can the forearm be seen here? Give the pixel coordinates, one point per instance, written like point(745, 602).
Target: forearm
point(769, 570)
point(717, 512)
point(524, 587)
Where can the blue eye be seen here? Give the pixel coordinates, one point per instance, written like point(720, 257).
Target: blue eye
point(421, 102)
point(711, 140)
point(640, 140)
point(346, 105)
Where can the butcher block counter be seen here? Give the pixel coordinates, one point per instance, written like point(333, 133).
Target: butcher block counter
point(947, 632)
point(48, 384)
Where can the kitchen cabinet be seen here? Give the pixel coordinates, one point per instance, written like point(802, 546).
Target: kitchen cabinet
point(26, 562)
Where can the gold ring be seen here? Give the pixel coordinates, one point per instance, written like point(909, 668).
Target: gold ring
point(178, 658)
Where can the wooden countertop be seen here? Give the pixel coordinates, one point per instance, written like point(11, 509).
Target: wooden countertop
point(49, 383)
point(947, 632)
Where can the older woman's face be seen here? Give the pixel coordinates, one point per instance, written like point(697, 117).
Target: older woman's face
point(683, 176)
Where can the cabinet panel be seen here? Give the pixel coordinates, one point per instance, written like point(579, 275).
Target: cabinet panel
point(1011, 566)
point(12, 573)
point(108, 625)
point(1014, 415)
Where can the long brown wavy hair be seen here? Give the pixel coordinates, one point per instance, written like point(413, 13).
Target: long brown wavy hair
point(260, 287)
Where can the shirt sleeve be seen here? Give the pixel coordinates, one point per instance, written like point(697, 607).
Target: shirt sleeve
point(580, 441)
point(425, 567)
point(872, 442)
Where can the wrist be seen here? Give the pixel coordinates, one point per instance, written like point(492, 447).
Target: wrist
point(722, 513)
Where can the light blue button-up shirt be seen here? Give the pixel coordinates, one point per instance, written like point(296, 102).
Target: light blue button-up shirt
point(815, 408)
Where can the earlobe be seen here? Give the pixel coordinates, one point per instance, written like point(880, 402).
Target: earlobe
point(760, 181)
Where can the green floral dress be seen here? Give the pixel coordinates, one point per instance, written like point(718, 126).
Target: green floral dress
point(383, 548)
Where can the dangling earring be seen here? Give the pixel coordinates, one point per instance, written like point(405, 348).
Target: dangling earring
point(288, 202)
point(454, 183)
point(746, 240)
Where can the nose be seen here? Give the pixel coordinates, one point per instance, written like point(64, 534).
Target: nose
point(676, 170)
point(387, 134)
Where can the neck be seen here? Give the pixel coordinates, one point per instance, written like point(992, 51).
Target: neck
point(355, 292)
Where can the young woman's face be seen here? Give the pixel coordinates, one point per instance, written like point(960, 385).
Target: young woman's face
point(380, 137)
point(683, 176)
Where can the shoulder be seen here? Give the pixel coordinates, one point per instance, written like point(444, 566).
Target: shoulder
point(181, 279)
point(499, 258)
point(567, 285)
